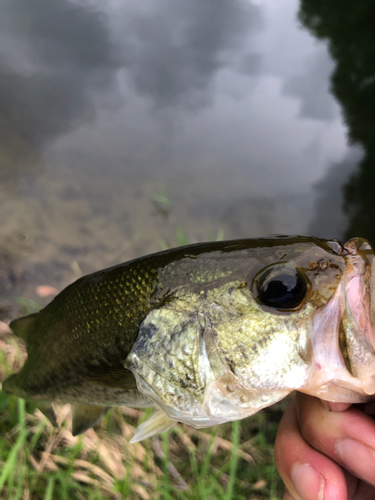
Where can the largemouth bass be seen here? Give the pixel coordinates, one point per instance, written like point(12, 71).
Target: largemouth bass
point(207, 333)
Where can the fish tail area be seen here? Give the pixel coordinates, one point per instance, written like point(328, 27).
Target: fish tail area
point(23, 326)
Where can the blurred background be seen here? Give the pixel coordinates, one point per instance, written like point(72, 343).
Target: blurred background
point(129, 126)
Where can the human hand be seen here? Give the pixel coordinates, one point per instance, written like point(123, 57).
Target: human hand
point(326, 452)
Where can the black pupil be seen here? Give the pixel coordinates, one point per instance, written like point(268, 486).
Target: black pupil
point(284, 290)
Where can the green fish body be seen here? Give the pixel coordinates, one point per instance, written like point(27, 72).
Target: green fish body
point(206, 333)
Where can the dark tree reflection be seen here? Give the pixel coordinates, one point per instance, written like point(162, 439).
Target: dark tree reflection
point(349, 28)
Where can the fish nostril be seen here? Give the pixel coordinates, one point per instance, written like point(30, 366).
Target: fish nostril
point(343, 346)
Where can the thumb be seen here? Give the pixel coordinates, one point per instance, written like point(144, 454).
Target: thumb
point(337, 407)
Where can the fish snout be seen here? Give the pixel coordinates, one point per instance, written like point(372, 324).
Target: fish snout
point(357, 245)
point(343, 332)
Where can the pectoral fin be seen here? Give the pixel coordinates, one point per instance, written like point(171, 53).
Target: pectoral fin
point(158, 422)
point(85, 416)
point(48, 412)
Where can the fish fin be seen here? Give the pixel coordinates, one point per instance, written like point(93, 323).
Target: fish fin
point(23, 326)
point(48, 412)
point(85, 416)
point(115, 377)
point(158, 422)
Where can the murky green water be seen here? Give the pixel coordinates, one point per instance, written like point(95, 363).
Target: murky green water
point(127, 126)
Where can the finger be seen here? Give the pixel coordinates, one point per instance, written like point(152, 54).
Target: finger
point(307, 474)
point(328, 405)
point(346, 437)
point(287, 496)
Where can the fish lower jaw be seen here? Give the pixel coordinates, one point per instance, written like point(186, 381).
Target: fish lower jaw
point(339, 386)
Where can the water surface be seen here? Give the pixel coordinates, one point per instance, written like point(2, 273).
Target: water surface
point(128, 126)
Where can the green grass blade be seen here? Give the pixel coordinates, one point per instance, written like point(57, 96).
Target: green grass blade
point(20, 482)
point(166, 479)
point(10, 483)
point(12, 458)
point(182, 239)
point(233, 459)
point(21, 413)
point(50, 488)
point(38, 432)
point(207, 459)
point(203, 470)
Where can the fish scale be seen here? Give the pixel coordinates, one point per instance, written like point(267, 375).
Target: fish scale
point(206, 333)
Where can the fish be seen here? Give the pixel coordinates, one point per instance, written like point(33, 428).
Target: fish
point(206, 333)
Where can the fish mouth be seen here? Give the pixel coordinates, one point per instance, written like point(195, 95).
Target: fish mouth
point(343, 333)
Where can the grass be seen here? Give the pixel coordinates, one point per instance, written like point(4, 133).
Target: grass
point(39, 461)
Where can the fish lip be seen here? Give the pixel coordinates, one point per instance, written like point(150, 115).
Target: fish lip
point(351, 313)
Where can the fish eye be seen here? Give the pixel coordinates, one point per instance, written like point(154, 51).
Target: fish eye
point(281, 287)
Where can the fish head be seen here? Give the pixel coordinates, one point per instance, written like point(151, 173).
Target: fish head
point(297, 314)
point(307, 323)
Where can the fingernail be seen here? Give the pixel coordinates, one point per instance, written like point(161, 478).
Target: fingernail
point(358, 458)
point(308, 483)
point(337, 407)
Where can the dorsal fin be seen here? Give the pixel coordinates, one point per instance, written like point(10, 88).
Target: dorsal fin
point(23, 326)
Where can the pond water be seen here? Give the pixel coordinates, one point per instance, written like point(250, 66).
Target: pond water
point(129, 126)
